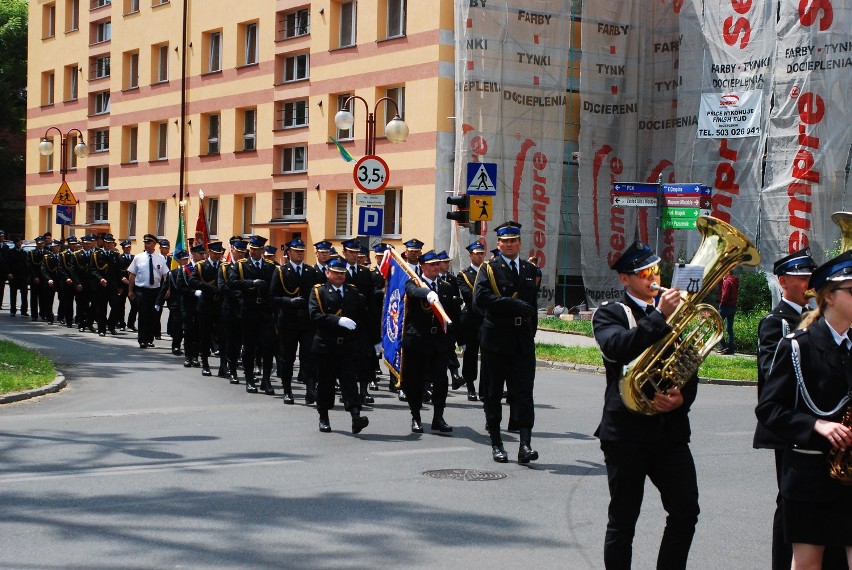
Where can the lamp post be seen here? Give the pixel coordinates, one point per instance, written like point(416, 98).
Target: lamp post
point(396, 130)
point(45, 148)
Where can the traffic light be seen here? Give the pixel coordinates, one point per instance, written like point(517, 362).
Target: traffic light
point(462, 203)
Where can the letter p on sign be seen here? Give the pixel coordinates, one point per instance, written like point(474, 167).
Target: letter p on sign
point(370, 221)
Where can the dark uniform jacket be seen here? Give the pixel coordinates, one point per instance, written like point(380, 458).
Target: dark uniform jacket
point(782, 410)
point(770, 331)
point(423, 331)
point(205, 278)
point(619, 346)
point(104, 265)
point(169, 285)
point(326, 308)
point(230, 299)
point(254, 299)
point(35, 258)
point(82, 265)
point(188, 300)
point(67, 268)
point(508, 302)
point(50, 270)
point(471, 319)
point(363, 281)
point(16, 265)
point(290, 291)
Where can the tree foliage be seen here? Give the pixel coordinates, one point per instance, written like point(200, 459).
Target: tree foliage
point(13, 64)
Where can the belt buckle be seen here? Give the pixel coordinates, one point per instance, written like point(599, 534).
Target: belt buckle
point(258, 301)
point(519, 321)
point(433, 330)
point(340, 340)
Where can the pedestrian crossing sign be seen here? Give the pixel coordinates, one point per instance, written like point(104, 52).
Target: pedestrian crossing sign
point(64, 196)
point(482, 178)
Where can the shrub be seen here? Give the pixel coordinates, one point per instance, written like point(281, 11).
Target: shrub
point(754, 293)
point(745, 330)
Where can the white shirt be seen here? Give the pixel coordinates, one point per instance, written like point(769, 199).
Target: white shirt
point(642, 304)
point(796, 307)
point(139, 268)
point(839, 338)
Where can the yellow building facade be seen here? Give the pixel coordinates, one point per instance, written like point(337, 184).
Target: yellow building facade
point(262, 83)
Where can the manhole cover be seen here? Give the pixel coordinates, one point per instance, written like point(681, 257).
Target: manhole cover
point(465, 474)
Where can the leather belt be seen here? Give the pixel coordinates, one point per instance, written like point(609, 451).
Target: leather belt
point(808, 451)
point(510, 321)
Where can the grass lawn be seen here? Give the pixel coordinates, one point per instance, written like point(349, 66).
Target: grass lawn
point(578, 327)
point(715, 366)
point(23, 369)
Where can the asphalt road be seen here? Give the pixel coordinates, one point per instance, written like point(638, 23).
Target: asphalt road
point(141, 463)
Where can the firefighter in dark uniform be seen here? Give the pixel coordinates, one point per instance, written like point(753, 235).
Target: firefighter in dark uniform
point(70, 282)
point(189, 305)
point(51, 277)
point(506, 294)
point(379, 300)
point(323, 252)
point(170, 297)
point(104, 282)
point(35, 257)
point(426, 347)
point(231, 341)
point(83, 265)
point(4, 249)
point(269, 253)
point(337, 310)
point(251, 277)
point(471, 320)
point(638, 446)
point(360, 277)
point(290, 289)
point(124, 260)
point(445, 275)
point(413, 247)
point(16, 267)
point(205, 280)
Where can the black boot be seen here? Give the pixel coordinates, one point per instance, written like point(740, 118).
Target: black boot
point(266, 386)
point(359, 422)
point(232, 376)
point(288, 391)
point(498, 454)
point(251, 387)
point(525, 452)
point(205, 367)
point(438, 423)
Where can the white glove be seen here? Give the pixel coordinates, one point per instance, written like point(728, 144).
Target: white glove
point(432, 297)
point(378, 348)
point(347, 323)
point(198, 292)
point(462, 347)
point(156, 307)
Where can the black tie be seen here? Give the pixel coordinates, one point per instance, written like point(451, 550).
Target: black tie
point(299, 270)
point(843, 349)
point(150, 269)
point(432, 286)
point(514, 267)
point(339, 293)
point(257, 265)
point(650, 309)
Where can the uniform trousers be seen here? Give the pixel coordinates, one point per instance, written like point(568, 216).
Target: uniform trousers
point(146, 298)
point(419, 367)
point(16, 287)
point(258, 342)
point(48, 295)
point(85, 314)
point(288, 340)
point(470, 363)
point(37, 307)
point(232, 337)
point(132, 314)
point(174, 326)
point(189, 326)
point(672, 470)
point(338, 365)
point(100, 302)
point(208, 329)
point(517, 372)
point(66, 303)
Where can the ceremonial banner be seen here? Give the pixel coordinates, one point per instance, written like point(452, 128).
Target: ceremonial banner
point(809, 130)
point(202, 235)
point(393, 313)
point(180, 240)
point(511, 58)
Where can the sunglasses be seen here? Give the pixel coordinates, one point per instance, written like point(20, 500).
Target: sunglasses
point(648, 271)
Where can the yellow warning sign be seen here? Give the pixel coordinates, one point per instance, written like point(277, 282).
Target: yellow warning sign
point(480, 208)
point(64, 196)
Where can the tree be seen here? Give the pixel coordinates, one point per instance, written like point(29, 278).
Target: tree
point(13, 112)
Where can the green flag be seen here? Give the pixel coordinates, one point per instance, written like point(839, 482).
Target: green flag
point(180, 241)
point(344, 154)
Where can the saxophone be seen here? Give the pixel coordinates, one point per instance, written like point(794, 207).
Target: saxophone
point(696, 326)
point(840, 460)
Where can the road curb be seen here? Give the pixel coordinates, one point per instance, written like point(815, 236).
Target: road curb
point(55, 386)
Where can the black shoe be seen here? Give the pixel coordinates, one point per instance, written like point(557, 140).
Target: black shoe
point(112, 332)
point(195, 363)
point(81, 329)
point(206, 372)
point(288, 398)
point(427, 397)
point(251, 387)
point(324, 426)
point(131, 327)
point(472, 397)
point(143, 345)
point(416, 427)
point(222, 373)
point(402, 397)
point(359, 423)
point(90, 329)
point(177, 352)
point(374, 385)
point(526, 453)
point(101, 334)
point(123, 328)
point(458, 381)
point(158, 337)
point(187, 363)
point(367, 399)
point(499, 454)
point(232, 378)
point(25, 314)
point(267, 388)
point(438, 424)
point(150, 345)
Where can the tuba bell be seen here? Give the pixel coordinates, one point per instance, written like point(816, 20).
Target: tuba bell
point(674, 359)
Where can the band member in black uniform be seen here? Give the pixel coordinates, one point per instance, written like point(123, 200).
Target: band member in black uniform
point(506, 294)
point(189, 296)
point(104, 281)
point(17, 275)
point(69, 282)
point(337, 311)
point(231, 341)
point(290, 289)
point(445, 275)
point(637, 446)
point(323, 252)
point(34, 261)
point(360, 277)
point(83, 297)
point(471, 320)
point(205, 281)
point(806, 394)
point(413, 247)
point(426, 347)
point(793, 272)
point(170, 297)
point(145, 275)
point(124, 259)
point(51, 277)
point(251, 277)
point(4, 249)
point(378, 300)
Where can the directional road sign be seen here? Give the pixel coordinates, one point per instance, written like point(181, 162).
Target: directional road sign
point(371, 174)
point(634, 201)
point(370, 221)
point(482, 178)
point(481, 208)
point(64, 215)
point(686, 189)
point(64, 196)
point(635, 189)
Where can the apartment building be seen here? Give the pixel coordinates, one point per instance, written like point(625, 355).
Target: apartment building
point(259, 84)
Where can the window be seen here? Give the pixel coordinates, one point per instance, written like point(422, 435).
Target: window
point(71, 83)
point(72, 15)
point(294, 159)
point(249, 33)
point(212, 211)
point(294, 114)
point(48, 83)
point(214, 52)
point(99, 3)
point(160, 217)
point(99, 212)
point(131, 220)
point(393, 213)
point(297, 23)
point(160, 68)
point(101, 68)
point(47, 220)
point(48, 21)
point(292, 205)
point(343, 215)
point(396, 18)
point(347, 23)
point(248, 215)
point(131, 6)
point(296, 67)
point(345, 134)
point(103, 32)
point(101, 103)
point(249, 129)
point(397, 94)
point(131, 144)
point(100, 178)
point(213, 124)
point(46, 162)
point(156, 3)
point(71, 161)
point(131, 70)
point(100, 140)
point(161, 136)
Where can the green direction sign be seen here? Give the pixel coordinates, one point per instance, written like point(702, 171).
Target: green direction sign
point(678, 223)
point(683, 213)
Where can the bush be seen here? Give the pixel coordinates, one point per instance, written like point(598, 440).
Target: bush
point(754, 293)
point(745, 330)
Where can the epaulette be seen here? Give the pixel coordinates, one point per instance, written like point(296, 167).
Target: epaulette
point(797, 333)
point(605, 303)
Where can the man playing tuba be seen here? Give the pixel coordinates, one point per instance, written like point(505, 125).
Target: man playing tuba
point(635, 445)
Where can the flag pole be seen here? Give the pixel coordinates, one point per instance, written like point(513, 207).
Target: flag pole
point(437, 308)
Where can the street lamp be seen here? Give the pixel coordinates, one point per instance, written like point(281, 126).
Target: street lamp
point(45, 148)
point(396, 131)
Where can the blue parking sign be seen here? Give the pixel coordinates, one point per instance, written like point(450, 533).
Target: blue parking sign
point(370, 221)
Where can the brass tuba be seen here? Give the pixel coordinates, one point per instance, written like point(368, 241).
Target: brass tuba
point(844, 222)
point(840, 460)
point(672, 361)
